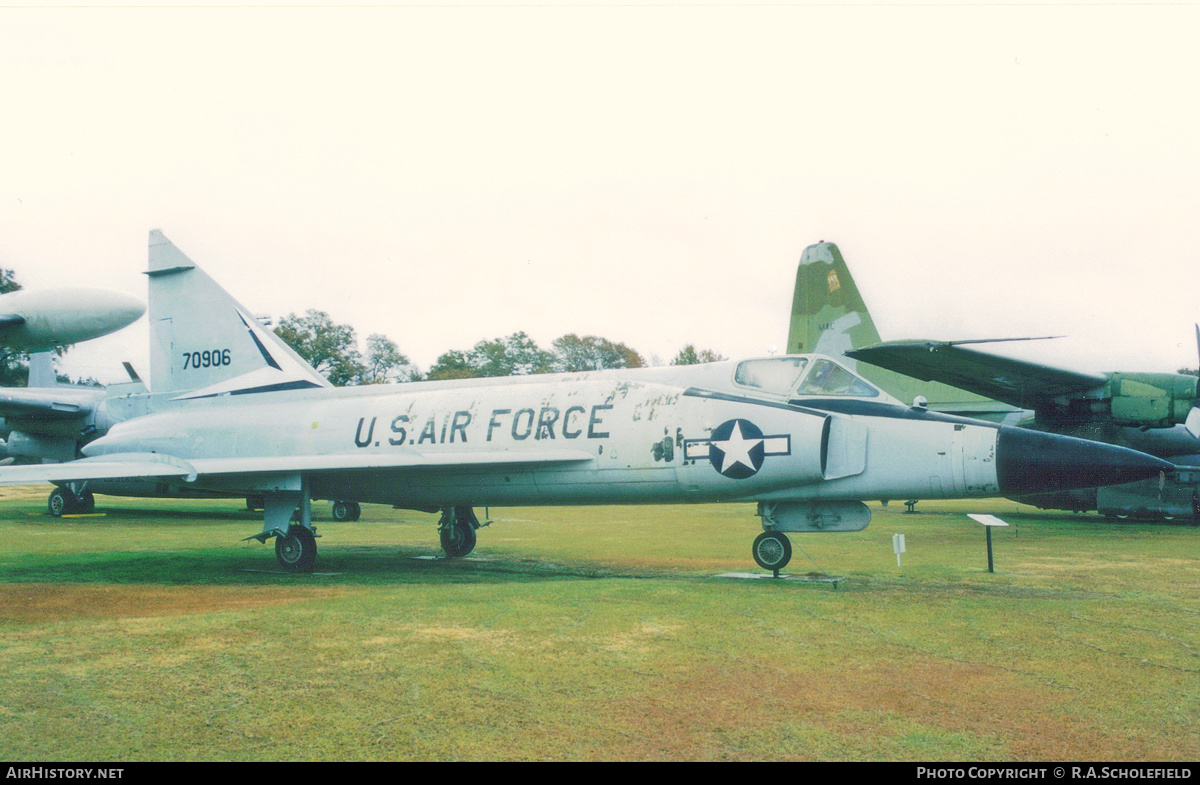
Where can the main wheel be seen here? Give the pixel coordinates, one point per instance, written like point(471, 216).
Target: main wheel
point(458, 539)
point(296, 550)
point(61, 502)
point(86, 503)
point(772, 550)
point(346, 511)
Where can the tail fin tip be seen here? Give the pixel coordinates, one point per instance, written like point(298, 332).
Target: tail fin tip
point(827, 253)
point(165, 256)
point(828, 314)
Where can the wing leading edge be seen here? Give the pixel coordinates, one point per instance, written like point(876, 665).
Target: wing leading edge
point(144, 465)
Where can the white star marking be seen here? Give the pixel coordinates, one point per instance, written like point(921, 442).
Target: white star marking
point(736, 449)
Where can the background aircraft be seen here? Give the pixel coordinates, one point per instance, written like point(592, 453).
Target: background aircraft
point(39, 320)
point(1142, 411)
point(232, 410)
point(46, 420)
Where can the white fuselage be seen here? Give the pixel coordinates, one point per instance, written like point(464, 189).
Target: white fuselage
point(625, 437)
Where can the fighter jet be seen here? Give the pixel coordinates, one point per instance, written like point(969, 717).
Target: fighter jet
point(232, 410)
point(1148, 412)
point(38, 320)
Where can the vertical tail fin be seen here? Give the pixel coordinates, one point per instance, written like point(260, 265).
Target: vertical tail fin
point(828, 314)
point(204, 343)
point(830, 317)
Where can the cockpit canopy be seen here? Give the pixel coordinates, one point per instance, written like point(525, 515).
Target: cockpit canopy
point(795, 375)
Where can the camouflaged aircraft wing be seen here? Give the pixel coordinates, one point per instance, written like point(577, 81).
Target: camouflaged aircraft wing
point(1015, 382)
point(139, 465)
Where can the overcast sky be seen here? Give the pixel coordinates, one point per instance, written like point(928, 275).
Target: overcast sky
point(647, 174)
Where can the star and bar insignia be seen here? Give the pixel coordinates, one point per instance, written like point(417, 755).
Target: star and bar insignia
point(737, 448)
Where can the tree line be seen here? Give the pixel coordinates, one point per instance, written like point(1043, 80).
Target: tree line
point(13, 365)
point(333, 350)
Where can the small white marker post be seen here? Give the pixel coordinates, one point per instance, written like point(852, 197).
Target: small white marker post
point(988, 522)
point(898, 546)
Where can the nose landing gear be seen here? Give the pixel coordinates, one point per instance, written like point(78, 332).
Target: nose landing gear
point(772, 551)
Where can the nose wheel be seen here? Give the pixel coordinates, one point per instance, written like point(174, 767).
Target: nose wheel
point(772, 551)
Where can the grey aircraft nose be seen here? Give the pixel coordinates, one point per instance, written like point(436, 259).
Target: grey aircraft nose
point(1030, 461)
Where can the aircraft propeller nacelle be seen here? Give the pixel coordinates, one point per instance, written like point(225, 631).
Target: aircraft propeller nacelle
point(1151, 400)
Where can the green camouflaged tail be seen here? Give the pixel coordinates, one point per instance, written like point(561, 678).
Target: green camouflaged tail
point(830, 317)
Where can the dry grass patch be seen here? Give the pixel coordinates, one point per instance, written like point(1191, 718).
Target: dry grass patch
point(26, 493)
point(50, 602)
point(495, 638)
point(642, 639)
point(887, 711)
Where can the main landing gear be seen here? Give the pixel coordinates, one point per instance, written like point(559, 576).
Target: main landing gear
point(342, 511)
point(346, 511)
point(287, 516)
point(456, 530)
point(297, 549)
point(67, 500)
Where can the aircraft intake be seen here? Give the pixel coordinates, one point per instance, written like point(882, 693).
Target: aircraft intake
point(1029, 461)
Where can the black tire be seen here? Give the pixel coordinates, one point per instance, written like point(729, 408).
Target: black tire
point(86, 503)
point(61, 502)
point(255, 503)
point(355, 511)
point(772, 550)
point(458, 539)
point(296, 550)
point(343, 511)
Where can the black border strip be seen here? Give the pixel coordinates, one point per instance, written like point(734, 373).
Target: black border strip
point(263, 349)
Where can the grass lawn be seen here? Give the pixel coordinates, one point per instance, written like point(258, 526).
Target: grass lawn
point(594, 633)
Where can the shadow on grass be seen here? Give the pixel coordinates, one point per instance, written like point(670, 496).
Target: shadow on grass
point(256, 566)
point(135, 516)
point(350, 567)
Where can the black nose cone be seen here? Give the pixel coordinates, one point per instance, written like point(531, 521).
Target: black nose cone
point(1030, 461)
